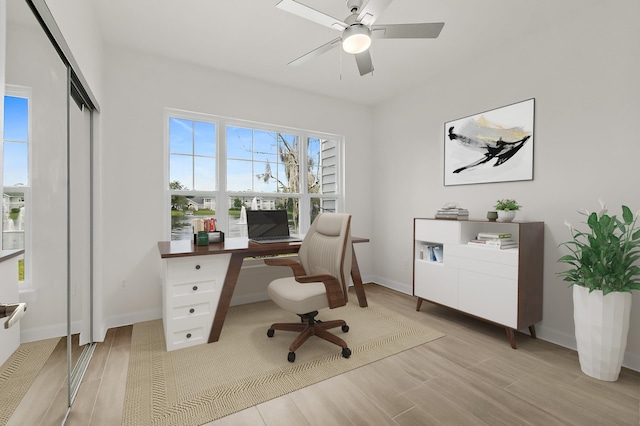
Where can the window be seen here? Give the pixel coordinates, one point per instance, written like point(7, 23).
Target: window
point(15, 172)
point(240, 166)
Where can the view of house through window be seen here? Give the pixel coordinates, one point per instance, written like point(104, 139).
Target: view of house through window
point(15, 173)
point(220, 168)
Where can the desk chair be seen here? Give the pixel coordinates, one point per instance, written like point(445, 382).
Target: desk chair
point(320, 281)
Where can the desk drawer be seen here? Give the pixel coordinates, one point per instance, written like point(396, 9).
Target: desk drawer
point(191, 310)
point(191, 288)
point(187, 337)
point(195, 268)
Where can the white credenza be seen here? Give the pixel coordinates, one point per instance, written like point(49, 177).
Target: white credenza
point(501, 286)
point(191, 291)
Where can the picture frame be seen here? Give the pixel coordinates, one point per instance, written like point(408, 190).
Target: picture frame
point(491, 146)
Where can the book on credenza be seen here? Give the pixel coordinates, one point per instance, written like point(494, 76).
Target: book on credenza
point(493, 235)
point(452, 213)
point(496, 242)
point(481, 243)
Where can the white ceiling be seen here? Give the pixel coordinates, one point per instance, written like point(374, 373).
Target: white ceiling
point(255, 39)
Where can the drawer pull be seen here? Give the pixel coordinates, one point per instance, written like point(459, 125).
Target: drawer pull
point(191, 310)
point(197, 266)
point(188, 335)
point(195, 288)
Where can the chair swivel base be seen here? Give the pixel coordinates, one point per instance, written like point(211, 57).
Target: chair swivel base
point(312, 327)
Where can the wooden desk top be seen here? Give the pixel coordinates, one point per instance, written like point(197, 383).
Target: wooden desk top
point(8, 254)
point(183, 248)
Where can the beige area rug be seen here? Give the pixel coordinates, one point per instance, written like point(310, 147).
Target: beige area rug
point(196, 385)
point(19, 371)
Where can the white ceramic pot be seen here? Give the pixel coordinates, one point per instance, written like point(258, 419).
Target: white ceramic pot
point(506, 215)
point(602, 326)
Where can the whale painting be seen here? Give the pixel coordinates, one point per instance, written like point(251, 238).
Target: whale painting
point(493, 146)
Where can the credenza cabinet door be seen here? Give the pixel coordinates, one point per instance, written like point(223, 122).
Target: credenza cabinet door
point(436, 283)
point(440, 231)
point(490, 297)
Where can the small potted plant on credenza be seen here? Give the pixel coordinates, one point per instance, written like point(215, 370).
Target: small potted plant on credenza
point(507, 209)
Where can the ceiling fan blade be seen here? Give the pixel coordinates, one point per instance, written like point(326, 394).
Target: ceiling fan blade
point(316, 52)
point(370, 12)
point(365, 66)
point(407, 30)
point(311, 14)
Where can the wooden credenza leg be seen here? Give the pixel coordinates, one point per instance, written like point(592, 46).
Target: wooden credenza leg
point(419, 305)
point(512, 336)
point(532, 330)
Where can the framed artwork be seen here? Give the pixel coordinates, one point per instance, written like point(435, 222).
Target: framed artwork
point(492, 146)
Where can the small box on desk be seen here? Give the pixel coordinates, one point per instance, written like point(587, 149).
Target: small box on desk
point(214, 237)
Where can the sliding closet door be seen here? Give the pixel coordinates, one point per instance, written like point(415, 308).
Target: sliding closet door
point(34, 65)
point(57, 205)
point(80, 217)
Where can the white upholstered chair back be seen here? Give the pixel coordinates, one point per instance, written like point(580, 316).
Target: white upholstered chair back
point(322, 250)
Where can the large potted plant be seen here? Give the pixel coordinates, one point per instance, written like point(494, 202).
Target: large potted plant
point(603, 272)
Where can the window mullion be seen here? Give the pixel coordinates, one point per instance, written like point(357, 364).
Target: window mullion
point(222, 207)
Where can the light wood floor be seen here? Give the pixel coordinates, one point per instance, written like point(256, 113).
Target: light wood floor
point(469, 377)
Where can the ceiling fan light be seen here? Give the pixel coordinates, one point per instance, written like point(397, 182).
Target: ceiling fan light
point(356, 39)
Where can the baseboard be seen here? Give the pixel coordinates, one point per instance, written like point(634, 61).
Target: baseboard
point(568, 340)
point(132, 318)
point(43, 333)
point(394, 285)
point(249, 298)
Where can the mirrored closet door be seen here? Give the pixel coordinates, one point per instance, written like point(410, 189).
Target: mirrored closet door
point(57, 266)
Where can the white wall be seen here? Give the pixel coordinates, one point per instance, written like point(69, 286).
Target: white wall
point(583, 76)
point(131, 187)
point(79, 26)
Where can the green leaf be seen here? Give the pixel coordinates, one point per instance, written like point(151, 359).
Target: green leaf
point(627, 215)
point(592, 221)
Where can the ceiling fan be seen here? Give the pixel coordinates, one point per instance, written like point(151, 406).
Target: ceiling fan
point(358, 29)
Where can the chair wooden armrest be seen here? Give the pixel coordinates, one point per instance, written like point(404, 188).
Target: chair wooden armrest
point(292, 263)
point(335, 294)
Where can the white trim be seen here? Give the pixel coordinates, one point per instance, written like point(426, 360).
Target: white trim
point(222, 194)
point(24, 92)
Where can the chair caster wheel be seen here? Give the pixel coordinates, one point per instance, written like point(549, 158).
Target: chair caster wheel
point(345, 328)
point(346, 352)
point(292, 356)
point(270, 332)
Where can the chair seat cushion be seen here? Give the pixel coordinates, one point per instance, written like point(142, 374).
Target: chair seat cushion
point(296, 297)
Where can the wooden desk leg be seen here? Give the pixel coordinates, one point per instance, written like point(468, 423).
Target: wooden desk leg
point(357, 279)
point(532, 330)
point(230, 280)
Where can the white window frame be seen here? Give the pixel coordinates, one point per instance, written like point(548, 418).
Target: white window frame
point(23, 92)
point(222, 195)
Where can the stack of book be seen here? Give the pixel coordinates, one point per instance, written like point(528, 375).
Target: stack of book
point(502, 240)
point(452, 213)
